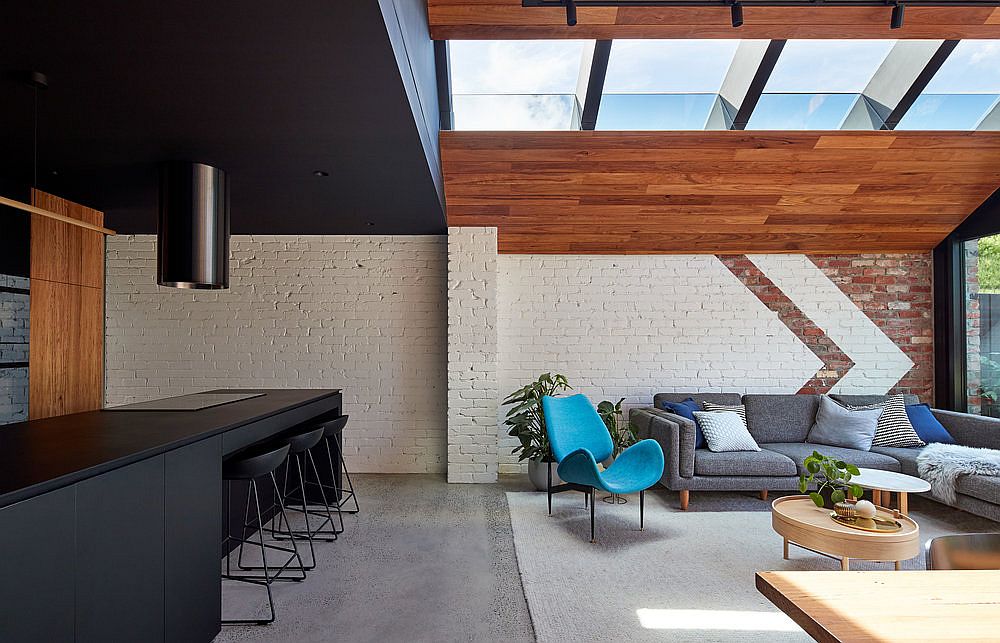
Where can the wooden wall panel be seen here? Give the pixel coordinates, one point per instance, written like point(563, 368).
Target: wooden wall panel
point(717, 192)
point(66, 337)
point(66, 253)
point(507, 19)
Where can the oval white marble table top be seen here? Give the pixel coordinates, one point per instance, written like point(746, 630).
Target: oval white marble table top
point(890, 481)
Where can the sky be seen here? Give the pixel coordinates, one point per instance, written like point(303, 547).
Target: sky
point(662, 84)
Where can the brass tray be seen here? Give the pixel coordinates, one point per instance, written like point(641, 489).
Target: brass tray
point(879, 524)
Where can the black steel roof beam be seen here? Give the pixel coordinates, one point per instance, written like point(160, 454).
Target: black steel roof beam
point(758, 83)
point(443, 73)
point(921, 82)
point(595, 84)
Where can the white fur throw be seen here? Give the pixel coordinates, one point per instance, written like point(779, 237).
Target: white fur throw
point(942, 464)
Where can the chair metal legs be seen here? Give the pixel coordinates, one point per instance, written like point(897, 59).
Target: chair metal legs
point(342, 494)
point(642, 499)
point(592, 503)
point(267, 577)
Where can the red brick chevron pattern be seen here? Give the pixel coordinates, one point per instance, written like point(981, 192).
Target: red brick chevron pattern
point(895, 292)
point(835, 362)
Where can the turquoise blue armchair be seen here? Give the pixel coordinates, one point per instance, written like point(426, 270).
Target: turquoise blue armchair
point(580, 440)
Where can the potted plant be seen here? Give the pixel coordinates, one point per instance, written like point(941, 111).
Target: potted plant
point(527, 424)
point(622, 431)
point(832, 478)
point(622, 434)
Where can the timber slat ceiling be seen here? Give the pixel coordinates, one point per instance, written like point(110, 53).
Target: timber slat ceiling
point(717, 192)
point(507, 19)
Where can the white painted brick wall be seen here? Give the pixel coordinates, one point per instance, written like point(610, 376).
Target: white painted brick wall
point(472, 355)
point(14, 313)
point(361, 313)
point(632, 326)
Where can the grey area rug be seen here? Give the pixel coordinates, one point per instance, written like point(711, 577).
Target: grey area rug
point(688, 577)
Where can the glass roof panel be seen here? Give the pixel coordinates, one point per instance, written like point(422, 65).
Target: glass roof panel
point(668, 66)
point(515, 112)
point(801, 111)
point(827, 66)
point(515, 66)
point(947, 111)
point(973, 68)
point(654, 111)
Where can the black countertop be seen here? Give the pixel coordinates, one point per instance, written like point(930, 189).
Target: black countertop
point(42, 455)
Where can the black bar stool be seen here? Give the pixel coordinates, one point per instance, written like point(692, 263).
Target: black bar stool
point(250, 465)
point(332, 432)
point(300, 454)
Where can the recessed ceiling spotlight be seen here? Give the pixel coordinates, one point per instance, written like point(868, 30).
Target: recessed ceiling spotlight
point(371, 223)
point(320, 173)
point(897, 16)
point(737, 13)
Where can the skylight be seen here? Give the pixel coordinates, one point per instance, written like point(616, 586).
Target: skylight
point(962, 94)
point(701, 84)
point(663, 84)
point(516, 84)
point(827, 66)
point(668, 66)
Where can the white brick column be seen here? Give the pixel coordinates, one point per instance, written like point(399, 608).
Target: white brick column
point(472, 355)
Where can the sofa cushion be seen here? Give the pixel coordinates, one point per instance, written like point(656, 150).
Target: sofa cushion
point(865, 400)
point(780, 418)
point(928, 427)
point(841, 427)
point(715, 398)
point(725, 431)
point(686, 410)
point(894, 428)
point(907, 457)
point(986, 488)
point(798, 451)
point(742, 463)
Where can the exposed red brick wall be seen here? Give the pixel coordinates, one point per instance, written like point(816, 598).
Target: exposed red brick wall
point(896, 293)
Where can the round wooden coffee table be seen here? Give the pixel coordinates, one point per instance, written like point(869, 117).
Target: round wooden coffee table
point(802, 523)
point(884, 483)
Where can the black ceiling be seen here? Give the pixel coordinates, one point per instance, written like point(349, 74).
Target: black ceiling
point(268, 91)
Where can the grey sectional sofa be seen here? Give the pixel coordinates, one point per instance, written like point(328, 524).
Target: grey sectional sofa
point(780, 424)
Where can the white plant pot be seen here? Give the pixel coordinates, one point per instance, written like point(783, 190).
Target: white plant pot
point(536, 472)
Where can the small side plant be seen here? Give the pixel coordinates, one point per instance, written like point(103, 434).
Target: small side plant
point(622, 431)
point(832, 479)
point(526, 420)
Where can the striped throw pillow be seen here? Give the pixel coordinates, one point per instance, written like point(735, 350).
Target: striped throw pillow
point(738, 409)
point(894, 427)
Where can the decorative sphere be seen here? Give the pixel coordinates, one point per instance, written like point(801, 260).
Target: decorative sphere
point(865, 509)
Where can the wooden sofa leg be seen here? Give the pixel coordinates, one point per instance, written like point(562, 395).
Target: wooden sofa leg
point(763, 494)
point(685, 496)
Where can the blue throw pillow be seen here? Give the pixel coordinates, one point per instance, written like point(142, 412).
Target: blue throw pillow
point(686, 409)
point(926, 425)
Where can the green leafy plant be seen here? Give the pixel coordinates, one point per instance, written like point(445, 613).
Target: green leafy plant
point(622, 431)
point(526, 420)
point(830, 475)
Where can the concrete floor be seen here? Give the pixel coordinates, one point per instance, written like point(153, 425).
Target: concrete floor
point(430, 561)
point(423, 561)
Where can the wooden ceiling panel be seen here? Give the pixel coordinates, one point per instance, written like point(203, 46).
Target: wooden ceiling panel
point(507, 19)
point(717, 192)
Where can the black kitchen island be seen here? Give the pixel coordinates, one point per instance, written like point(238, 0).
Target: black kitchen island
point(110, 520)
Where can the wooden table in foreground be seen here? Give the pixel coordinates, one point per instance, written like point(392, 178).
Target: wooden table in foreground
point(889, 606)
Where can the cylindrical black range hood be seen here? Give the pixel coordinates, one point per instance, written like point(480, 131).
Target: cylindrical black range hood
point(193, 234)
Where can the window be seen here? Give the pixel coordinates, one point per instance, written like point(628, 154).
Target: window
point(816, 83)
point(663, 84)
point(982, 324)
point(516, 84)
point(963, 93)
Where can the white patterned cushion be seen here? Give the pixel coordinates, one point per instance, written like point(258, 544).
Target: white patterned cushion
point(894, 427)
point(739, 409)
point(725, 431)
